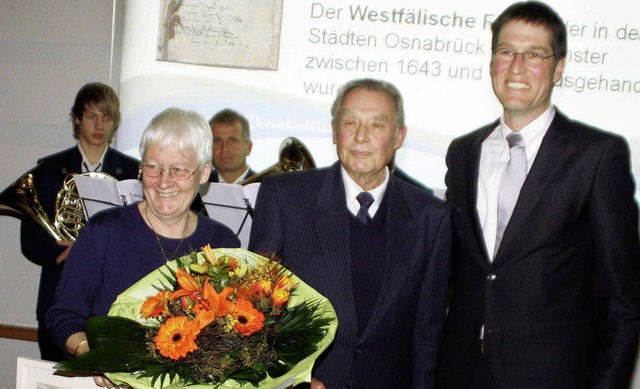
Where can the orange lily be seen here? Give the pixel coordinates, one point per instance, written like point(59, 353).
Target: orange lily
point(203, 300)
point(188, 284)
point(212, 304)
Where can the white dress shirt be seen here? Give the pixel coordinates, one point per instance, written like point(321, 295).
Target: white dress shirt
point(352, 190)
point(87, 166)
point(493, 160)
point(237, 180)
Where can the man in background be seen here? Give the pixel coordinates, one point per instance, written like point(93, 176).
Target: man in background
point(231, 146)
point(546, 285)
point(95, 117)
point(376, 246)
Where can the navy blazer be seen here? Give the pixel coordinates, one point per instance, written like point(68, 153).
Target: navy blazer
point(36, 244)
point(560, 303)
point(302, 216)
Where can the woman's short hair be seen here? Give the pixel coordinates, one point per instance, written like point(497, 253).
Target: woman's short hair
point(186, 130)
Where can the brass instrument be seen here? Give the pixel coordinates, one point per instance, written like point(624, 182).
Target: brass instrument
point(293, 156)
point(21, 200)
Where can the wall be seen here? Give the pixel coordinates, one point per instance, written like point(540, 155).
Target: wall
point(48, 50)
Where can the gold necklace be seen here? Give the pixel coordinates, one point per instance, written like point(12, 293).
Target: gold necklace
point(184, 234)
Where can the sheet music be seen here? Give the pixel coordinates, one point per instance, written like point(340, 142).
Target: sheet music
point(232, 205)
point(99, 193)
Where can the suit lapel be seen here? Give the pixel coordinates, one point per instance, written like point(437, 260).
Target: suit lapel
point(72, 164)
point(110, 164)
point(332, 227)
point(473, 235)
point(547, 161)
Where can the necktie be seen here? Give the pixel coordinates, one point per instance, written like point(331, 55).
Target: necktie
point(365, 199)
point(510, 184)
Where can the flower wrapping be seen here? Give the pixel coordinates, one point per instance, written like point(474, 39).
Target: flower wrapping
point(222, 305)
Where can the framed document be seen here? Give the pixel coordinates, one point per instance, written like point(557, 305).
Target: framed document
point(39, 374)
point(229, 33)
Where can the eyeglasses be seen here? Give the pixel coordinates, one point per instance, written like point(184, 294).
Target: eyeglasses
point(531, 58)
point(155, 171)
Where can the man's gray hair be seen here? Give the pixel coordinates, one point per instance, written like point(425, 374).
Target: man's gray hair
point(372, 85)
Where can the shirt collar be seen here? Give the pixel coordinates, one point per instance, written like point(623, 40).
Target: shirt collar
point(87, 166)
point(352, 190)
point(240, 178)
point(533, 132)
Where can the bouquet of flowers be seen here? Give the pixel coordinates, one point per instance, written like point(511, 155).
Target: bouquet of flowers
point(223, 317)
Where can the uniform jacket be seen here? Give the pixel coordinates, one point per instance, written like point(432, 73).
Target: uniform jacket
point(49, 174)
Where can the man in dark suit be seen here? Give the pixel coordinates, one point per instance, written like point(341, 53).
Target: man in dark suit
point(231, 146)
point(95, 116)
point(384, 268)
point(549, 296)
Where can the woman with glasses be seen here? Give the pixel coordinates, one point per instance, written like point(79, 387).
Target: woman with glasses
point(121, 245)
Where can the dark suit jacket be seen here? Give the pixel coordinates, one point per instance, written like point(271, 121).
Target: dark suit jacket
point(36, 244)
point(303, 217)
point(401, 174)
point(213, 177)
point(560, 301)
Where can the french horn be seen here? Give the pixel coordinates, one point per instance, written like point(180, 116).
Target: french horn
point(20, 199)
point(293, 155)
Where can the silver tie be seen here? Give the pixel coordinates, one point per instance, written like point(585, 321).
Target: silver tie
point(510, 184)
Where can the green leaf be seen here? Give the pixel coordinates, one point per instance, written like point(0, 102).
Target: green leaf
point(116, 344)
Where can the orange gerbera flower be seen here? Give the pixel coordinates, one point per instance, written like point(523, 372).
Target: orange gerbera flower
point(248, 319)
point(157, 305)
point(177, 337)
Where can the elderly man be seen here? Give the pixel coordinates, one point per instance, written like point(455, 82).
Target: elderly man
point(376, 246)
point(231, 146)
point(546, 290)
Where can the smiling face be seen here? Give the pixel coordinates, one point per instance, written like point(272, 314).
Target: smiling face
point(169, 199)
point(94, 127)
point(524, 91)
point(366, 135)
